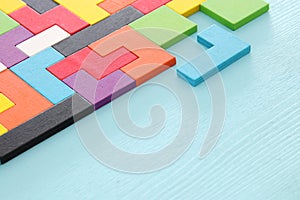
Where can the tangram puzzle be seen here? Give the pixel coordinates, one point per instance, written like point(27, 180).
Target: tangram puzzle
point(61, 60)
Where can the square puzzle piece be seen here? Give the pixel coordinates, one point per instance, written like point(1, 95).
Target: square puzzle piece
point(164, 26)
point(234, 13)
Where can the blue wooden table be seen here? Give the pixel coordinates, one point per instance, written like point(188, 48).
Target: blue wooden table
point(257, 156)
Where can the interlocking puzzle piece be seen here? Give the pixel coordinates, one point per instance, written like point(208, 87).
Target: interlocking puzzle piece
point(234, 13)
point(224, 49)
point(5, 103)
point(9, 53)
point(103, 91)
point(9, 6)
point(43, 40)
point(88, 10)
point(59, 15)
point(164, 26)
point(28, 102)
point(34, 72)
point(39, 6)
point(2, 67)
point(91, 62)
point(147, 6)
point(101, 29)
point(185, 7)
point(113, 6)
point(151, 61)
point(43, 126)
point(6, 23)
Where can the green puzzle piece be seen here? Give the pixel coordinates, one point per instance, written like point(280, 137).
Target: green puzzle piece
point(6, 23)
point(164, 26)
point(234, 13)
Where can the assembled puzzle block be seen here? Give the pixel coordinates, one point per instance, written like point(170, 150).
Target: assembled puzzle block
point(147, 6)
point(93, 33)
point(164, 26)
point(152, 59)
point(59, 15)
point(113, 6)
point(27, 101)
point(234, 13)
point(103, 91)
point(43, 40)
point(88, 10)
point(43, 126)
point(9, 6)
point(224, 49)
point(39, 6)
point(185, 7)
point(6, 23)
point(9, 53)
point(34, 72)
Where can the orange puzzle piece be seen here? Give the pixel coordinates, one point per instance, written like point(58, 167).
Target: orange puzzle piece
point(152, 59)
point(113, 6)
point(28, 102)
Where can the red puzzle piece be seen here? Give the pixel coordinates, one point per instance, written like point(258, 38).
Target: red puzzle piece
point(59, 15)
point(147, 6)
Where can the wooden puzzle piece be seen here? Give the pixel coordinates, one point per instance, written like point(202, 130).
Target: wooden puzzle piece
point(43, 126)
point(234, 13)
point(9, 6)
point(2, 67)
point(43, 40)
point(224, 49)
point(147, 6)
point(3, 130)
point(91, 62)
point(39, 6)
point(5, 103)
point(113, 6)
point(34, 72)
point(9, 53)
point(88, 10)
point(164, 26)
point(6, 23)
point(59, 15)
point(185, 7)
point(28, 102)
point(100, 92)
point(93, 33)
point(151, 61)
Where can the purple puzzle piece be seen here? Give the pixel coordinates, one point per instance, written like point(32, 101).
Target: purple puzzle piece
point(9, 53)
point(103, 91)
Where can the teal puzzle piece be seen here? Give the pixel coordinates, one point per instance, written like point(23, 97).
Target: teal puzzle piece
point(224, 48)
point(34, 72)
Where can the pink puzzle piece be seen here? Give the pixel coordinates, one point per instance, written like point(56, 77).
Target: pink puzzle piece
point(103, 91)
point(9, 53)
point(147, 6)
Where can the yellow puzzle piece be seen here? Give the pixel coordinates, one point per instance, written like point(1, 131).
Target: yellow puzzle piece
point(185, 7)
point(9, 6)
point(2, 130)
point(5, 103)
point(88, 10)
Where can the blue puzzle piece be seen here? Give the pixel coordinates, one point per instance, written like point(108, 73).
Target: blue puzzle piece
point(33, 71)
point(224, 49)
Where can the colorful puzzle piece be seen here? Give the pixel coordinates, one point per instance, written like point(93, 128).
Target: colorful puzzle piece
point(9, 6)
point(234, 13)
point(3, 130)
point(41, 6)
point(5, 103)
point(100, 92)
point(43, 40)
point(113, 6)
point(224, 49)
point(147, 6)
point(164, 26)
point(151, 61)
point(33, 71)
point(59, 15)
point(9, 53)
point(88, 10)
point(6, 23)
point(2, 67)
point(28, 102)
point(185, 7)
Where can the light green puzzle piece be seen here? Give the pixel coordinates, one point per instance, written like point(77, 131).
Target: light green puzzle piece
point(234, 13)
point(164, 26)
point(6, 23)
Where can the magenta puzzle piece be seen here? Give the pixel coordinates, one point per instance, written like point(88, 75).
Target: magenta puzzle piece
point(103, 91)
point(9, 53)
